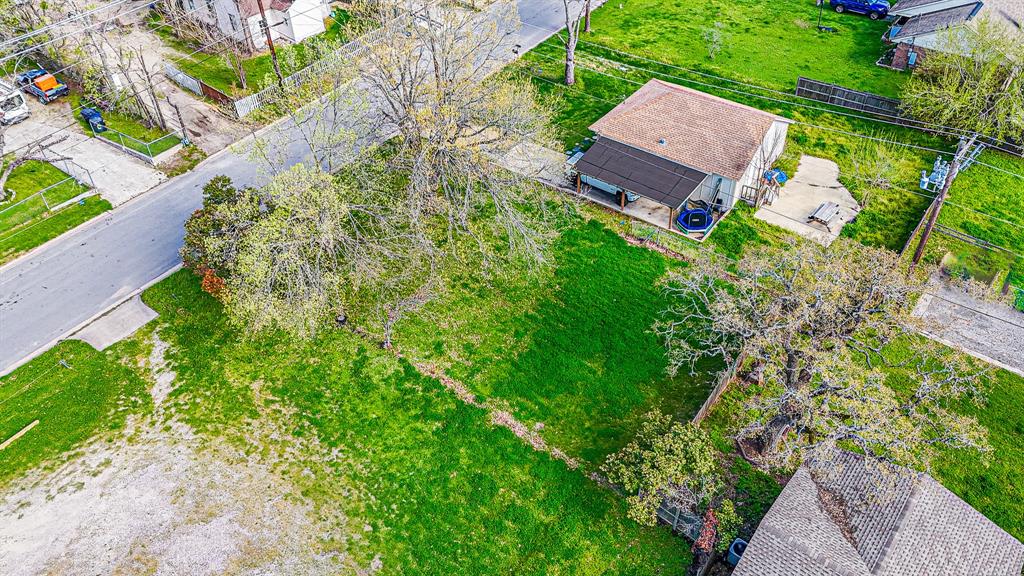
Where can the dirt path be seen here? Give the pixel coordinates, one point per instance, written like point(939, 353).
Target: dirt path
point(160, 501)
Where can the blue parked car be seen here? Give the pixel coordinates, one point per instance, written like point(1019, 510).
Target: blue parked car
point(94, 118)
point(875, 9)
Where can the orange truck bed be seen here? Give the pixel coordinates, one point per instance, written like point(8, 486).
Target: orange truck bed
point(46, 82)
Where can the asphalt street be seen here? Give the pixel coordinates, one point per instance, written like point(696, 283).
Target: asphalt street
point(51, 292)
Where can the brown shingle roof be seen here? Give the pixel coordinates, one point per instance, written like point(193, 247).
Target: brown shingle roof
point(920, 528)
point(688, 126)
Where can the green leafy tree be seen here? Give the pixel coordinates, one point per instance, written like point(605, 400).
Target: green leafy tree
point(973, 82)
point(821, 328)
point(213, 232)
point(666, 462)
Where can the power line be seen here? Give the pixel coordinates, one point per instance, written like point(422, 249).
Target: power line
point(35, 32)
point(775, 211)
point(846, 132)
point(947, 130)
point(126, 95)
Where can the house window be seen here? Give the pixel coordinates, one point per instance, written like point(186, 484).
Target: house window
point(234, 22)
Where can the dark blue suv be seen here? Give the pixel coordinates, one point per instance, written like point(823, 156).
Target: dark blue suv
point(875, 9)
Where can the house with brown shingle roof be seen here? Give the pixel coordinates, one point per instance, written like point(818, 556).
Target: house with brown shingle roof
point(912, 527)
point(681, 148)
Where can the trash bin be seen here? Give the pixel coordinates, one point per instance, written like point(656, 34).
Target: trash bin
point(736, 550)
point(94, 118)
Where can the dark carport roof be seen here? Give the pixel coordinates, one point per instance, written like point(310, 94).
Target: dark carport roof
point(641, 172)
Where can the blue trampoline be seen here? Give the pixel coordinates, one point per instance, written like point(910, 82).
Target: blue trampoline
point(696, 220)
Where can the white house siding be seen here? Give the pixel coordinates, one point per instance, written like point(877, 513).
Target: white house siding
point(771, 148)
point(306, 19)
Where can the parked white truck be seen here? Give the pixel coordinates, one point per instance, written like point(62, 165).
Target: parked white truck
point(13, 107)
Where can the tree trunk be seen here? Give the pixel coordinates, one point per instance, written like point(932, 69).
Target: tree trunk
point(586, 18)
point(570, 63)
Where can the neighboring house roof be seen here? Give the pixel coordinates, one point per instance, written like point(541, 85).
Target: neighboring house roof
point(247, 8)
point(916, 528)
point(646, 174)
point(1008, 12)
point(935, 21)
point(909, 4)
point(690, 127)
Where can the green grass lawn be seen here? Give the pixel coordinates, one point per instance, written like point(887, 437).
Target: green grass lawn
point(128, 131)
point(215, 70)
point(572, 349)
point(73, 403)
point(767, 43)
point(986, 203)
point(41, 230)
point(994, 486)
point(442, 489)
point(26, 207)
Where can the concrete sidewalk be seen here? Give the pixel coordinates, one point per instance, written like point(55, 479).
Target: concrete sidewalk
point(990, 331)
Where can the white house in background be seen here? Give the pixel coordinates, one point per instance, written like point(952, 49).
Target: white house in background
point(289, 20)
point(682, 148)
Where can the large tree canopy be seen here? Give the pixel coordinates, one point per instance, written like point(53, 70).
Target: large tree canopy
point(973, 81)
point(821, 327)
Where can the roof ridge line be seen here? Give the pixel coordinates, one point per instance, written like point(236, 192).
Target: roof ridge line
point(898, 526)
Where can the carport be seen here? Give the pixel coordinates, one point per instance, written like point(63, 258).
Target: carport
point(615, 168)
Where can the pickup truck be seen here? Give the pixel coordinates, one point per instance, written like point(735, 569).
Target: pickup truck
point(13, 108)
point(875, 9)
point(42, 85)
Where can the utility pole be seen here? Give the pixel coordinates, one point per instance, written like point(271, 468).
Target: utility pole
point(954, 169)
point(270, 43)
point(181, 122)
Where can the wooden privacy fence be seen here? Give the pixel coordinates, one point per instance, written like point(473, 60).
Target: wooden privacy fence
point(724, 378)
point(195, 85)
point(847, 98)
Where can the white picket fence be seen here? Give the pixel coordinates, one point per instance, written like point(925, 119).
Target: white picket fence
point(249, 104)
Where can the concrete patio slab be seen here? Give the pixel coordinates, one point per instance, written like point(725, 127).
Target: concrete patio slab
point(116, 325)
point(990, 331)
point(816, 181)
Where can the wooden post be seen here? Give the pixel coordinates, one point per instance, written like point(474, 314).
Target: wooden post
point(622, 201)
point(579, 184)
point(270, 43)
point(954, 169)
point(671, 216)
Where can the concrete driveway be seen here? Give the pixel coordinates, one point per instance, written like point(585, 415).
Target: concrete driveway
point(816, 181)
point(117, 176)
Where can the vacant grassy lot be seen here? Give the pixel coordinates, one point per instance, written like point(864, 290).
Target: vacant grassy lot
point(769, 43)
point(26, 221)
point(572, 349)
point(128, 131)
point(40, 231)
point(442, 490)
point(75, 393)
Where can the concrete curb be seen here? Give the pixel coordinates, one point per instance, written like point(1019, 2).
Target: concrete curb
point(74, 330)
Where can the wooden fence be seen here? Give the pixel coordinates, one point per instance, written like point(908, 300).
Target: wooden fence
point(724, 378)
point(848, 98)
point(196, 86)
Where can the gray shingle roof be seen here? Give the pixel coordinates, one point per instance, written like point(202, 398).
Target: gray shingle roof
point(917, 528)
point(933, 21)
point(905, 4)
